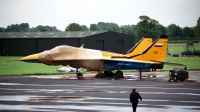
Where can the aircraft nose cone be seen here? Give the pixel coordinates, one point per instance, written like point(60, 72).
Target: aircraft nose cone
point(34, 58)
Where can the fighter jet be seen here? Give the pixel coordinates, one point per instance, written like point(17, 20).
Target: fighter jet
point(94, 60)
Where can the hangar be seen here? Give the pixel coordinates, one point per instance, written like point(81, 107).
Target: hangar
point(25, 43)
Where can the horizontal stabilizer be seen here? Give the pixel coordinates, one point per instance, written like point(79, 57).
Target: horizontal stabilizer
point(174, 64)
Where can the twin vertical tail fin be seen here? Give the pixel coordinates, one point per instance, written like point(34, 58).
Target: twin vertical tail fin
point(135, 50)
point(140, 46)
point(156, 52)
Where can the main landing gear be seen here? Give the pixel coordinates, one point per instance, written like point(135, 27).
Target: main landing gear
point(117, 74)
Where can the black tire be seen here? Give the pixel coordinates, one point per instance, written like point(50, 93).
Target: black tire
point(112, 74)
point(79, 75)
point(119, 74)
point(106, 73)
point(109, 73)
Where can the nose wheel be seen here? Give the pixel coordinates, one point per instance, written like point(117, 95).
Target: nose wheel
point(78, 75)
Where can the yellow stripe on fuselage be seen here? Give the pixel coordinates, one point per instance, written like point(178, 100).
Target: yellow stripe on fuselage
point(110, 54)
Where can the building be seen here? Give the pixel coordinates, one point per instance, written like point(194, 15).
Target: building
point(26, 43)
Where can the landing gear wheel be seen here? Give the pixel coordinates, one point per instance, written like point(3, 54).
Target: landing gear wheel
point(109, 73)
point(106, 73)
point(119, 74)
point(79, 75)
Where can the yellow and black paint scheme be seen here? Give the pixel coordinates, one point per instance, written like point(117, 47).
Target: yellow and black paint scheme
point(140, 46)
point(144, 43)
point(152, 57)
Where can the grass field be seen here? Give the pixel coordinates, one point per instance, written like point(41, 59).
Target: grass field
point(192, 63)
point(179, 48)
point(8, 67)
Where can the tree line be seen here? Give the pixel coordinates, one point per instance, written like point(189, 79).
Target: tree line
point(146, 26)
point(24, 27)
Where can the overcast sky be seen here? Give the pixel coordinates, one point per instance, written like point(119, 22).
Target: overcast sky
point(61, 13)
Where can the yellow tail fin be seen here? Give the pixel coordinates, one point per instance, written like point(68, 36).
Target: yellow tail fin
point(156, 52)
point(137, 49)
point(140, 46)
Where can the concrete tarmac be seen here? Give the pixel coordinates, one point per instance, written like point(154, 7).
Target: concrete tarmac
point(54, 93)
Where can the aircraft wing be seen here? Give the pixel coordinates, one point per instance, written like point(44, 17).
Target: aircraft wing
point(126, 63)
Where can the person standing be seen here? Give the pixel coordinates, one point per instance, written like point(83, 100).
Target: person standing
point(134, 96)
